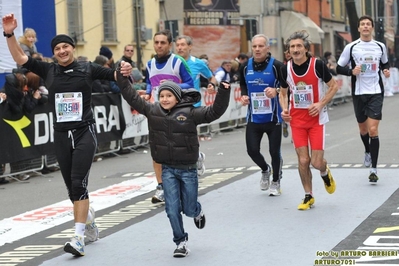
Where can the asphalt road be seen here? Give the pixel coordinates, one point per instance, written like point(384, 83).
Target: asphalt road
point(226, 151)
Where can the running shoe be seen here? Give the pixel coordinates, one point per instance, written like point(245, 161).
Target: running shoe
point(275, 189)
point(285, 130)
point(76, 246)
point(159, 196)
point(367, 159)
point(200, 220)
point(200, 164)
point(265, 179)
point(181, 250)
point(373, 177)
point(91, 229)
point(330, 185)
point(307, 203)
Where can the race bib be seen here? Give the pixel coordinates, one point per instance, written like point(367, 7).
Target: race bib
point(303, 96)
point(69, 106)
point(261, 104)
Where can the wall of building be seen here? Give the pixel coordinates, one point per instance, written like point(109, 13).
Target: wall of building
point(93, 27)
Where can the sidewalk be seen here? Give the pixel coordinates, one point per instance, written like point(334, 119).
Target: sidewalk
point(245, 226)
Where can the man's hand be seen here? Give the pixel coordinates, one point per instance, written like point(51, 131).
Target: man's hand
point(314, 109)
point(9, 23)
point(270, 92)
point(211, 88)
point(244, 100)
point(224, 85)
point(356, 71)
point(126, 68)
point(286, 115)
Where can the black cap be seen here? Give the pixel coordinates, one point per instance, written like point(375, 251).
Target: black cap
point(61, 38)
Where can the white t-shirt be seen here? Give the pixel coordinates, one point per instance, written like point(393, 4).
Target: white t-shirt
point(368, 55)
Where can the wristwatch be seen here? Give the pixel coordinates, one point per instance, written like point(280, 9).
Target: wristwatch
point(8, 35)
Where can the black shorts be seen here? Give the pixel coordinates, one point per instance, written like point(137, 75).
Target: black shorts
point(368, 105)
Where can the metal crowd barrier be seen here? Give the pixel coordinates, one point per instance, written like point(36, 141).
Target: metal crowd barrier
point(136, 132)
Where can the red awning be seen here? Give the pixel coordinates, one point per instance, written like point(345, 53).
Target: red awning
point(345, 35)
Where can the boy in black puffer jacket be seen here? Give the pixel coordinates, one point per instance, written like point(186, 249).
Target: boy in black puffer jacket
point(174, 143)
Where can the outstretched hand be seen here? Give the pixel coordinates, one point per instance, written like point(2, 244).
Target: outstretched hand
point(126, 68)
point(9, 23)
point(224, 85)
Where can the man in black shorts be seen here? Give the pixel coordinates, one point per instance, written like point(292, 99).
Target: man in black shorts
point(366, 58)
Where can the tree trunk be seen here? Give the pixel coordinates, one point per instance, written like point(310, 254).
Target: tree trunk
point(353, 18)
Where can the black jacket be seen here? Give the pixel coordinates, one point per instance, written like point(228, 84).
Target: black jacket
point(173, 134)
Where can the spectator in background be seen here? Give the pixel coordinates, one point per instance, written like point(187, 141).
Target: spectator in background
point(223, 72)
point(102, 85)
point(204, 81)
point(234, 73)
point(242, 58)
point(82, 58)
point(128, 53)
point(27, 41)
point(328, 60)
point(105, 51)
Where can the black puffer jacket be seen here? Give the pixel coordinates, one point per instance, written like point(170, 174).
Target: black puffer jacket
point(173, 134)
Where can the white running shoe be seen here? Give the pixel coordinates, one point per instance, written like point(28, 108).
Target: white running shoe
point(265, 179)
point(91, 229)
point(200, 164)
point(275, 189)
point(367, 159)
point(76, 246)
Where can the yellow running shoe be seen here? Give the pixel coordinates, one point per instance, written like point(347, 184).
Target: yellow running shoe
point(331, 188)
point(307, 203)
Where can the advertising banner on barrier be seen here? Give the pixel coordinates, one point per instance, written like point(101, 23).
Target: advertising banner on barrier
point(25, 136)
point(110, 122)
point(136, 124)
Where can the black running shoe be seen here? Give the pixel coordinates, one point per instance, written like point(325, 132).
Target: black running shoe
point(181, 250)
point(200, 220)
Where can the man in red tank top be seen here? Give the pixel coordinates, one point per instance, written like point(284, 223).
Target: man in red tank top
point(306, 111)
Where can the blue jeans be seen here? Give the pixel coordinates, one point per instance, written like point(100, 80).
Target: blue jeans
point(180, 188)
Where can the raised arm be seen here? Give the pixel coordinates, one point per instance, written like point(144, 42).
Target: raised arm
point(9, 25)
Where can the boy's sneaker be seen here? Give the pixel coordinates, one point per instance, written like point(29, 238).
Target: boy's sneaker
point(181, 250)
point(265, 179)
point(367, 159)
point(76, 246)
point(307, 203)
point(159, 196)
point(91, 229)
point(200, 164)
point(373, 177)
point(275, 189)
point(200, 220)
point(330, 184)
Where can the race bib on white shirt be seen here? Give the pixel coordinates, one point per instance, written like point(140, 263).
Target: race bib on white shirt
point(69, 106)
point(369, 66)
point(261, 104)
point(303, 96)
